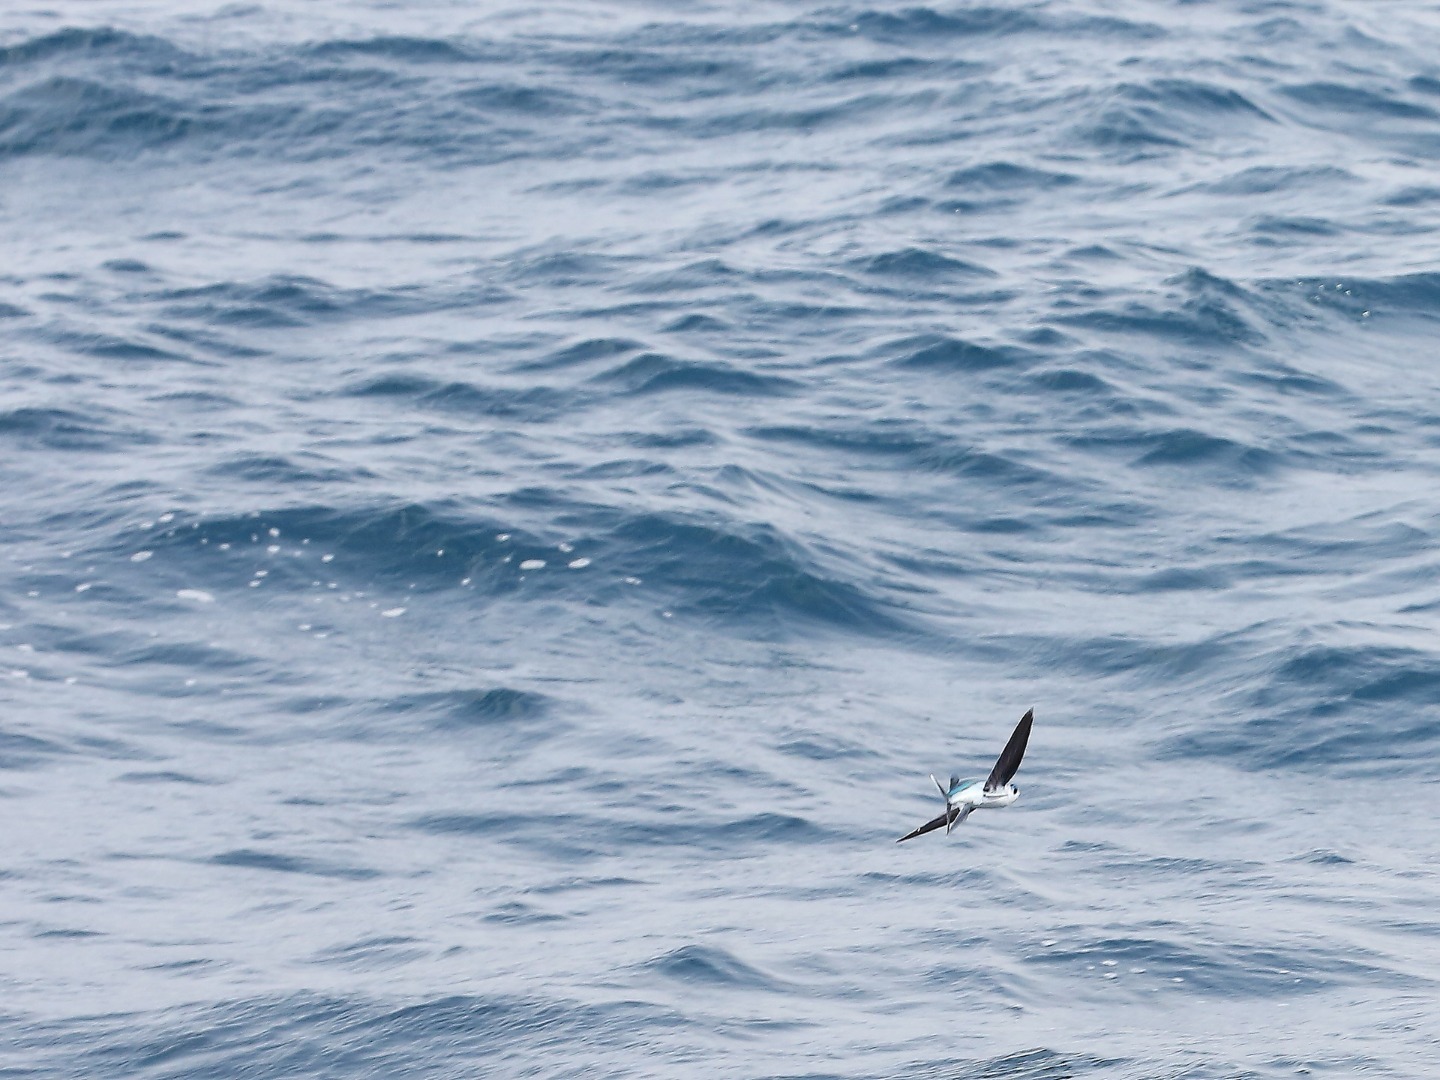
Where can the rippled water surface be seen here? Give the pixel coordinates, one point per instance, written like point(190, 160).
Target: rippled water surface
point(502, 507)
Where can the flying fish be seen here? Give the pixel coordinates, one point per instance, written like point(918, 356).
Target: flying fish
point(964, 796)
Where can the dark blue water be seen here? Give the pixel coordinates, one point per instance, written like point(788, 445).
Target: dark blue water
point(503, 507)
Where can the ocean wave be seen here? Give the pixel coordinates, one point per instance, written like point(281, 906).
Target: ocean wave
point(1341, 697)
point(338, 1037)
point(519, 504)
point(711, 966)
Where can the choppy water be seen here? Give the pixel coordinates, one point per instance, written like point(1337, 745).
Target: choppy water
point(503, 507)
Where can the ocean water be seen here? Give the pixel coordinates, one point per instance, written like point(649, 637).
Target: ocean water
point(503, 506)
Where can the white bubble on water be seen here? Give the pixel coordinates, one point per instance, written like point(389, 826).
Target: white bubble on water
point(579, 564)
point(391, 613)
point(200, 596)
point(533, 564)
point(141, 556)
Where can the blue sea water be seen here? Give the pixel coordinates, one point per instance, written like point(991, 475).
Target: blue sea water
point(503, 506)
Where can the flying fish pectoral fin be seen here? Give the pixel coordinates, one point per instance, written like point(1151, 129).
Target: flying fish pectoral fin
point(929, 826)
point(1009, 761)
